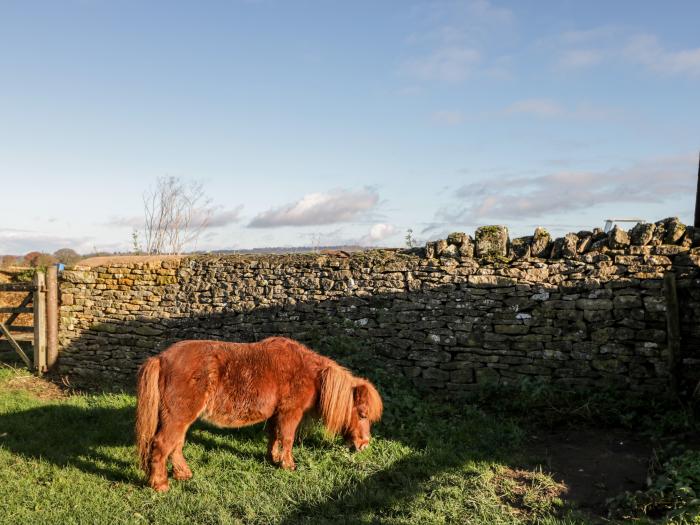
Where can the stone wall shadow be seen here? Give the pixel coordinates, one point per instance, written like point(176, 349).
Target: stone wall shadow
point(359, 332)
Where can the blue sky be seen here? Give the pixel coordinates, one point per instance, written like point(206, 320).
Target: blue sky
point(344, 122)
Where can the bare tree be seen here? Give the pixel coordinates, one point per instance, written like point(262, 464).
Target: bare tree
point(176, 214)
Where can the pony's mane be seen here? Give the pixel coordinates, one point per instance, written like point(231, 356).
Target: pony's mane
point(336, 398)
point(374, 401)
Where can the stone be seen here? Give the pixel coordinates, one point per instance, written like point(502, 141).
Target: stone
point(541, 243)
point(675, 230)
point(440, 247)
point(450, 251)
point(557, 247)
point(618, 239)
point(466, 249)
point(569, 248)
point(491, 241)
point(520, 247)
point(642, 233)
point(457, 238)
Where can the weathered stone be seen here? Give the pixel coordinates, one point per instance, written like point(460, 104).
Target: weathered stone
point(520, 247)
point(642, 233)
point(541, 243)
point(674, 231)
point(466, 249)
point(457, 238)
point(450, 251)
point(440, 247)
point(618, 239)
point(491, 241)
point(569, 248)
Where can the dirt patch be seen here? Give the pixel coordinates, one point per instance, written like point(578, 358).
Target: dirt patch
point(594, 464)
point(530, 494)
point(36, 386)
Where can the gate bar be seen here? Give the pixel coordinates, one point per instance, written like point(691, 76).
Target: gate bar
point(15, 345)
point(40, 323)
point(51, 316)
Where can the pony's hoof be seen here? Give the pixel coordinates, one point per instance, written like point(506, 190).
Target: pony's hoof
point(182, 475)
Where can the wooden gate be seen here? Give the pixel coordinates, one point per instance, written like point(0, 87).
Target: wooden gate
point(41, 300)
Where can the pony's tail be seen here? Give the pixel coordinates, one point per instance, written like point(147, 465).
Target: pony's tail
point(147, 410)
point(336, 398)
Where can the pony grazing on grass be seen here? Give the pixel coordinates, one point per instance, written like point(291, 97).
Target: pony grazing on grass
point(240, 384)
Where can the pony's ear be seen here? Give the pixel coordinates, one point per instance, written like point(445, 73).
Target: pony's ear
point(367, 400)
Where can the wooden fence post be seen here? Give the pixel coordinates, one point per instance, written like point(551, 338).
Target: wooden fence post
point(40, 323)
point(51, 316)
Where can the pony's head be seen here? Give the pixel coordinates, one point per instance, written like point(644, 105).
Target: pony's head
point(349, 405)
point(366, 409)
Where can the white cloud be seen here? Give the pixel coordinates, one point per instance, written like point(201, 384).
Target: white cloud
point(319, 209)
point(220, 217)
point(518, 197)
point(380, 231)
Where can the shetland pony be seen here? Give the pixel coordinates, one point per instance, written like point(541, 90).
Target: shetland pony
point(240, 384)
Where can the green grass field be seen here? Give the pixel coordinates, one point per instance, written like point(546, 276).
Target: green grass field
point(70, 459)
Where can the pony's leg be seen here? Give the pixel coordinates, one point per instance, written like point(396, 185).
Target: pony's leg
point(273, 444)
point(165, 442)
point(287, 424)
point(181, 470)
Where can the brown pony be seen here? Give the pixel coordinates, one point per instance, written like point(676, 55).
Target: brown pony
point(240, 384)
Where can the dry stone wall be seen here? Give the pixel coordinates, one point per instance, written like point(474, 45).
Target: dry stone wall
point(588, 309)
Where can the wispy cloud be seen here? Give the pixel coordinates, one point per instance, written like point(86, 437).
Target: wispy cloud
point(451, 46)
point(587, 48)
point(449, 64)
point(447, 117)
point(548, 108)
point(518, 197)
point(580, 58)
point(648, 51)
point(319, 209)
point(538, 107)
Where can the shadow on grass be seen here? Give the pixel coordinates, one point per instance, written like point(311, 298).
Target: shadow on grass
point(75, 436)
point(71, 436)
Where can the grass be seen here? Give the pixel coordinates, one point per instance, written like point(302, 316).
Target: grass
point(70, 459)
